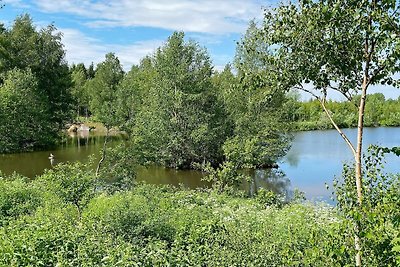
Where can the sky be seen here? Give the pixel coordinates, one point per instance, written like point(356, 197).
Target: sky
point(133, 29)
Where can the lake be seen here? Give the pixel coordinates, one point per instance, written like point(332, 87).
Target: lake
point(317, 156)
point(313, 160)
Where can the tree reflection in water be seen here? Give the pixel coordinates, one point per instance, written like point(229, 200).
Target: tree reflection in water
point(271, 179)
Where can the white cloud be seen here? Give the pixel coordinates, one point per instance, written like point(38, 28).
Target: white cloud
point(206, 16)
point(6, 23)
point(81, 48)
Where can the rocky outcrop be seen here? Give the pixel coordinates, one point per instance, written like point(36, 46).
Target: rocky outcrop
point(74, 128)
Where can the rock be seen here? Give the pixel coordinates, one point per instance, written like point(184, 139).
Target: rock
point(83, 128)
point(73, 128)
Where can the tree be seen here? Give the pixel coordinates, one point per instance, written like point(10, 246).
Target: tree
point(340, 45)
point(42, 52)
point(261, 134)
point(91, 71)
point(130, 96)
point(181, 121)
point(380, 210)
point(103, 90)
point(224, 83)
point(103, 95)
point(73, 183)
point(79, 90)
point(374, 109)
point(24, 122)
point(35, 92)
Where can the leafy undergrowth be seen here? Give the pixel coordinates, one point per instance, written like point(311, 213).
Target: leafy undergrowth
point(59, 223)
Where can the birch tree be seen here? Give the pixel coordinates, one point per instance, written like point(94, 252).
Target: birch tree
point(323, 46)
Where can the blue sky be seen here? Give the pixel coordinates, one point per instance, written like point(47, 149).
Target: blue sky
point(135, 28)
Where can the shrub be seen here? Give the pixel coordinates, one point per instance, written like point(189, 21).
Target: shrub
point(378, 218)
point(17, 197)
point(73, 183)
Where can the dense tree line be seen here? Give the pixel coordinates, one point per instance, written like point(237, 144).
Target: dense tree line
point(175, 107)
point(309, 115)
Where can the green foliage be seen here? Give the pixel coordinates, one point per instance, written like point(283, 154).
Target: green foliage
point(161, 226)
point(396, 248)
point(73, 183)
point(34, 83)
point(17, 197)
point(322, 43)
point(269, 198)
point(42, 52)
point(226, 178)
point(256, 105)
point(179, 114)
point(118, 171)
point(79, 90)
point(324, 46)
point(131, 94)
point(378, 112)
point(24, 119)
point(256, 151)
point(395, 150)
point(379, 216)
point(103, 90)
point(180, 120)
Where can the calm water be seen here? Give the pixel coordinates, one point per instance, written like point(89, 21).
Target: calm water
point(314, 159)
point(76, 148)
point(317, 156)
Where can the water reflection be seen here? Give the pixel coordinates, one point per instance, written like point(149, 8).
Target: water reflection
point(317, 156)
point(81, 145)
point(161, 175)
point(293, 159)
point(272, 179)
point(314, 159)
point(75, 148)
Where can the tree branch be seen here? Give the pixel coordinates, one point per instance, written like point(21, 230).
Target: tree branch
point(342, 134)
point(322, 101)
point(348, 97)
point(300, 87)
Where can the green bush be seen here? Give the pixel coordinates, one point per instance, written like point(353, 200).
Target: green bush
point(118, 170)
point(152, 225)
point(378, 218)
point(17, 197)
point(73, 183)
point(226, 178)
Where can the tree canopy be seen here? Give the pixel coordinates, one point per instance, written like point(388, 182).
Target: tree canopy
point(103, 90)
point(37, 57)
point(181, 120)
